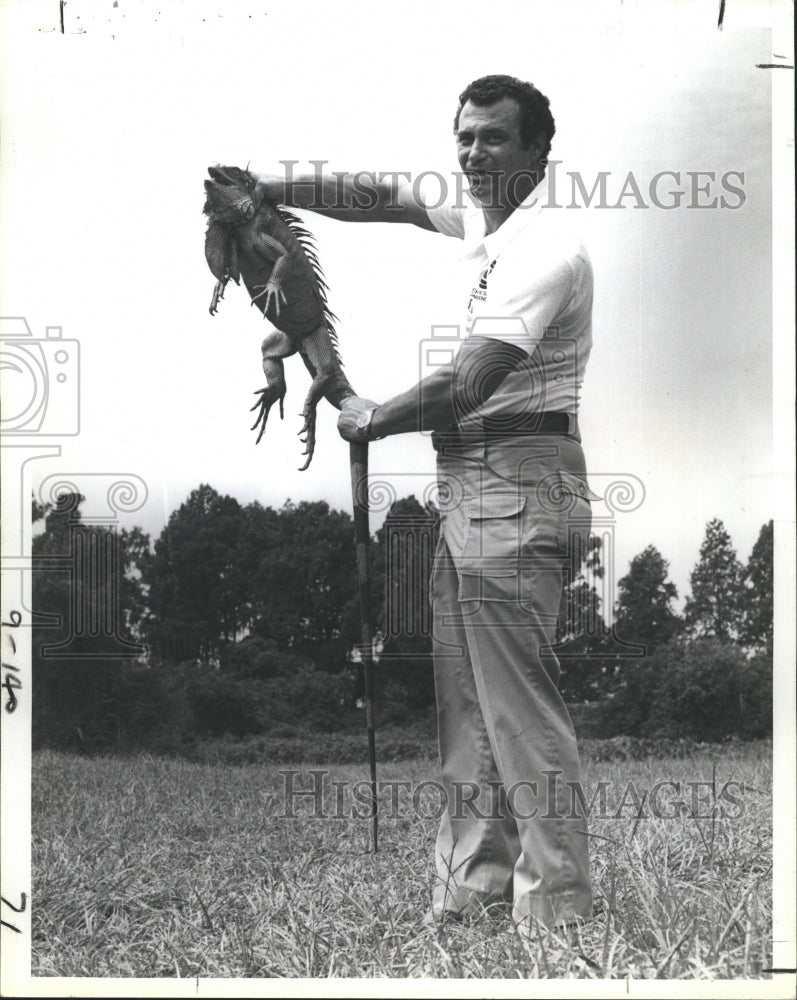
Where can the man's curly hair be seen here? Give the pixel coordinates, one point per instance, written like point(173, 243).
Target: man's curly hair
point(535, 112)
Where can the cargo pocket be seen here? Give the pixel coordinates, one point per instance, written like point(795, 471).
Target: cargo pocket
point(488, 567)
point(441, 556)
point(575, 513)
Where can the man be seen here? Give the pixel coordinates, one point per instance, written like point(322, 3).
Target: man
point(514, 504)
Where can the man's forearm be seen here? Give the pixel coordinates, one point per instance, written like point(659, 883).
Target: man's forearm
point(349, 197)
point(428, 406)
point(358, 197)
point(450, 392)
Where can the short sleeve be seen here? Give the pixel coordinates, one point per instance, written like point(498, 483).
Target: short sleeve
point(520, 312)
point(548, 285)
point(448, 220)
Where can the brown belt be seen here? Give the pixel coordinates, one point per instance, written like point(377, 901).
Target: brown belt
point(501, 428)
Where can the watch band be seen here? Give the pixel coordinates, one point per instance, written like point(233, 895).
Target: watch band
point(364, 422)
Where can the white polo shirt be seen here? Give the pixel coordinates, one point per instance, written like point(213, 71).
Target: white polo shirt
point(529, 283)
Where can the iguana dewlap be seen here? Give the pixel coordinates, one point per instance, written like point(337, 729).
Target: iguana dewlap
point(250, 238)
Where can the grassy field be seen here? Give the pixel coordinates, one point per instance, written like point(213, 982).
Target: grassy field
point(151, 867)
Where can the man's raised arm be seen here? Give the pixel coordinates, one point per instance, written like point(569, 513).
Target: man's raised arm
point(360, 197)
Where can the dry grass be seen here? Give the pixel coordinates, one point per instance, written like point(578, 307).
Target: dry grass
point(151, 867)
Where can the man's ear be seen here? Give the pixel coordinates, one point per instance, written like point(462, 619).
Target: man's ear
point(536, 145)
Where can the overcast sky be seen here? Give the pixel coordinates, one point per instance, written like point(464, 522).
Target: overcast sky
point(107, 132)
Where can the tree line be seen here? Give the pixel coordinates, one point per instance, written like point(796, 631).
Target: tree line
point(705, 673)
point(244, 619)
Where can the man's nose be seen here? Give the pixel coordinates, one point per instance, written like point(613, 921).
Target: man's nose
point(475, 153)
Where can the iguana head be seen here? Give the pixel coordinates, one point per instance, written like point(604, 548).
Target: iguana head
point(234, 177)
point(229, 195)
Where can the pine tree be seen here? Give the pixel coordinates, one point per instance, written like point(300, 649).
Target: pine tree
point(714, 608)
point(756, 600)
point(644, 613)
point(197, 599)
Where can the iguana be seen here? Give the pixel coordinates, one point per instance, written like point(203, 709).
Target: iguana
point(251, 238)
point(266, 245)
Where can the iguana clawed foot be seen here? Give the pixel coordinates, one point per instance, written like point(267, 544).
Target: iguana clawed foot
point(308, 429)
point(269, 395)
point(218, 295)
point(273, 293)
point(321, 382)
point(275, 390)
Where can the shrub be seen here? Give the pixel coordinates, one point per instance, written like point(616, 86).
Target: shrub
point(309, 698)
point(261, 658)
point(404, 690)
point(696, 690)
point(705, 689)
point(222, 704)
point(755, 694)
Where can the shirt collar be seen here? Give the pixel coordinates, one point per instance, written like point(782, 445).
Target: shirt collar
point(528, 209)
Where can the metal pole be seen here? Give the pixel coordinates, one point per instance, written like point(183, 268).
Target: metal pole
point(358, 454)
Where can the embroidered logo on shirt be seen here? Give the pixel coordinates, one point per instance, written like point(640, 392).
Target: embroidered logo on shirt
point(479, 293)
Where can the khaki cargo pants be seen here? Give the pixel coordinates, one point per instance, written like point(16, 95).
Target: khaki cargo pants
point(515, 518)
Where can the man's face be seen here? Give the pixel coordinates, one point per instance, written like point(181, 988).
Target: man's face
point(492, 155)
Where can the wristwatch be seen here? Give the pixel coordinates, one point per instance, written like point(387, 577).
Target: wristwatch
point(364, 423)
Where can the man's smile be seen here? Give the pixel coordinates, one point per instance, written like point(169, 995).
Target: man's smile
point(479, 178)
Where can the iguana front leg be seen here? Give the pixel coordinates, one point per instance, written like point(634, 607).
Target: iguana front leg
point(271, 250)
point(275, 346)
